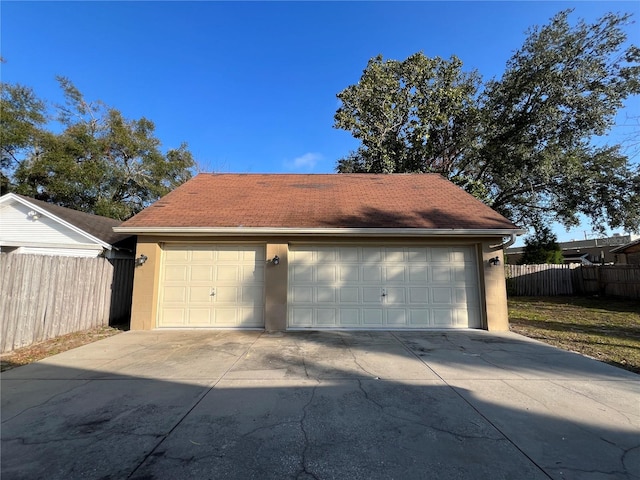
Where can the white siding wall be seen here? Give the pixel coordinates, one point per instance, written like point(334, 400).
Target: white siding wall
point(16, 228)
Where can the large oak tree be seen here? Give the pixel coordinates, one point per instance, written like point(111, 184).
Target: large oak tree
point(99, 162)
point(523, 143)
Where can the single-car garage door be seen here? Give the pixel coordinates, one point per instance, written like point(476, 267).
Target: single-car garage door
point(212, 286)
point(383, 287)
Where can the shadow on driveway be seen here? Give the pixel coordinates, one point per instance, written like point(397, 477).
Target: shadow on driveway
point(339, 405)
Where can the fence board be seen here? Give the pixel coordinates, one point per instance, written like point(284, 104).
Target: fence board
point(539, 280)
point(549, 280)
point(42, 297)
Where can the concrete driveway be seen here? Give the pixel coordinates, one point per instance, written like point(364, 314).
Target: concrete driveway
point(343, 405)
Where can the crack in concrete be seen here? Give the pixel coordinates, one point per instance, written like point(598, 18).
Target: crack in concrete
point(624, 457)
point(623, 414)
point(471, 405)
point(267, 427)
point(560, 470)
point(355, 360)
point(195, 404)
point(92, 435)
point(84, 382)
point(413, 421)
point(303, 460)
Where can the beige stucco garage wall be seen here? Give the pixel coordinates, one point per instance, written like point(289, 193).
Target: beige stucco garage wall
point(146, 280)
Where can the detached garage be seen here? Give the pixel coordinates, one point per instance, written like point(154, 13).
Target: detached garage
point(312, 252)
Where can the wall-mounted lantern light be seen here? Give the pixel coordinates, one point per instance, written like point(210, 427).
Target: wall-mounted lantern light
point(275, 260)
point(494, 262)
point(141, 259)
point(33, 215)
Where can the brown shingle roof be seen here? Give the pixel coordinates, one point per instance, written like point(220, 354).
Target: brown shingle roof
point(319, 201)
point(99, 227)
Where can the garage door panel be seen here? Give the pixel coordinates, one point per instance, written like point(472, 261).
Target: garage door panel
point(228, 273)
point(441, 274)
point(176, 315)
point(444, 317)
point(203, 273)
point(301, 317)
point(372, 317)
point(175, 294)
point(326, 295)
point(419, 317)
point(199, 317)
point(201, 255)
point(324, 255)
point(418, 295)
point(349, 273)
point(302, 295)
point(395, 296)
point(349, 255)
point(395, 274)
point(396, 317)
point(417, 254)
point(439, 255)
point(372, 256)
point(176, 255)
point(177, 272)
point(212, 285)
point(326, 273)
point(372, 295)
point(326, 317)
point(418, 274)
point(383, 287)
point(349, 294)
point(442, 295)
point(372, 273)
point(199, 294)
point(302, 273)
point(349, 317)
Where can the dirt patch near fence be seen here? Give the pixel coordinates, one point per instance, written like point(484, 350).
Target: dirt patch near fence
point(33, 353)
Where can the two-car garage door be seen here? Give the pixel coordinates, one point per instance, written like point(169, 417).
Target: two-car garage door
point(383, 287)
point(352, 287)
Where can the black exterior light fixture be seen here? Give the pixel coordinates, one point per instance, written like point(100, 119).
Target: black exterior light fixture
point(494, 262)
point(141, 259)
point(275, 260)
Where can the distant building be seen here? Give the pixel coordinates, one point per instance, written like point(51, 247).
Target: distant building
point(586, 252)
point(628, 254)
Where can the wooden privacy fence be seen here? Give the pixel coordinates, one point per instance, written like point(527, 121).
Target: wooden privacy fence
point(42, 297)
point(539, 280)
point(549, 280)
point(608, 280)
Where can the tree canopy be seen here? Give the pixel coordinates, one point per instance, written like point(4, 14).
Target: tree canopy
point(100, 162)
point(523, 143)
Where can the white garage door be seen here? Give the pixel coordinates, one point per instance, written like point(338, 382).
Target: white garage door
point(383, 287)
point(212, 286)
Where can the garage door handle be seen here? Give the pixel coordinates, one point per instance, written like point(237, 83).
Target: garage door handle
point(213, 292)
point(384, 294)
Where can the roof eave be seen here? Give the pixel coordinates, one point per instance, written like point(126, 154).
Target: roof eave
point(363, 232)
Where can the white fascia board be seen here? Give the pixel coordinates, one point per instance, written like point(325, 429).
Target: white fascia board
point(360, 232)
point(46, 213)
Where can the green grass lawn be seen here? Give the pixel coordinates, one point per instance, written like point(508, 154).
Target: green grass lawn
point(603, 328)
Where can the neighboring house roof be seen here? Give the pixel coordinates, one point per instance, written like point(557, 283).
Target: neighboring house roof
point(333, 202)
point(94, 227)
point(627, 246)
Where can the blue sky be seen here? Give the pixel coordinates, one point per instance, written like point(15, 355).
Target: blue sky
point(251, 87)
